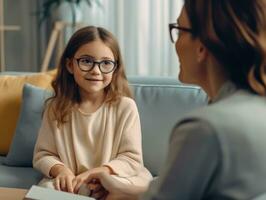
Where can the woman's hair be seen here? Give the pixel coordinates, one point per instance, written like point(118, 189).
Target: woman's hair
point(66, 91)
point(235, 33)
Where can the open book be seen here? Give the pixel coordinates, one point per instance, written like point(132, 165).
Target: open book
point(41, 193)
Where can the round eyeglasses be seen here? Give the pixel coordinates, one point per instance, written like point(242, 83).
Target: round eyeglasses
point(87, 64)
point(174, 31)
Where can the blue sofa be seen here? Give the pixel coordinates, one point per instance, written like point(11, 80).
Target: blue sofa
point(161, 103)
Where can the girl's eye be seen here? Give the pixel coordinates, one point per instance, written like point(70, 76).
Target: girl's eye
point(86, 61)
point(107, 62)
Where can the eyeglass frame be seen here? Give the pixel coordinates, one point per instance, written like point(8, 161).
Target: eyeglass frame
point(179, 28)
point(94, 64)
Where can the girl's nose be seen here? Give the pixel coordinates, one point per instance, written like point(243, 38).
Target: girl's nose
point(96, 69)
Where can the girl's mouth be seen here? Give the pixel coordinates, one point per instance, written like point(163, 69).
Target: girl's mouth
point(91, 79)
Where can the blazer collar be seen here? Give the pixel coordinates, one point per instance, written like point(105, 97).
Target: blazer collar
point(227, 89)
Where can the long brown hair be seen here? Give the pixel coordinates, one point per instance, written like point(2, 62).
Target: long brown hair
point(66, 91)
point(235, 33)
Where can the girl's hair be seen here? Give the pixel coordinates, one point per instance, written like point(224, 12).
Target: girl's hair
point(235, 33)
point(66, 91)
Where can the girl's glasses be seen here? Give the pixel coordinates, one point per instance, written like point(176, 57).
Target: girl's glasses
point(87, 64)
point(174, 31)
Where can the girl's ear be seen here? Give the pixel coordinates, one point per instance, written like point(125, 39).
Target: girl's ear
point(69, 65)
point(202, 52)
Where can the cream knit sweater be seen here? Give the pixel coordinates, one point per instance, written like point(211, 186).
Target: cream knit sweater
point(109, 136)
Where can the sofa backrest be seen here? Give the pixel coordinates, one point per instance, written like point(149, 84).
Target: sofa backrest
point(161, 103)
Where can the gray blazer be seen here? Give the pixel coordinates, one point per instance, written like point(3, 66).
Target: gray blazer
point(217, 152)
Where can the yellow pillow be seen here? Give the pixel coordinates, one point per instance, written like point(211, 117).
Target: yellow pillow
point(10, 101)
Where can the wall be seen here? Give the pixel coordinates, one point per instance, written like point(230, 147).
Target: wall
point(21, 46)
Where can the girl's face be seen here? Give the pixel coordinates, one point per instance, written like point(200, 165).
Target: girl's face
point(92, 81)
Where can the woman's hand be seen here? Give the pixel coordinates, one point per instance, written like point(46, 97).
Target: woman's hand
point(81, 178)
point(63, 178)
point(97, 191)
point(115, 190)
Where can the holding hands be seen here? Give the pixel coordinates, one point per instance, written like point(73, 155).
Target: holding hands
point(65, 180)
point(93, 187)
point(113, 188)
point(116, 190)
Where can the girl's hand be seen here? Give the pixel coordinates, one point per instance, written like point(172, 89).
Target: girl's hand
point(63, 179)
point(81, 178)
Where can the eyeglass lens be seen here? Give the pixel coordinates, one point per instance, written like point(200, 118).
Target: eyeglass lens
point(87, 64)
point(174, 34)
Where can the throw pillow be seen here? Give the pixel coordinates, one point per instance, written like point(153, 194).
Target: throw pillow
point(10, 102)
point(21, 150)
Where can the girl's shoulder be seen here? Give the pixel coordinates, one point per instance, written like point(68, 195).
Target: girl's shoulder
point(126, 103)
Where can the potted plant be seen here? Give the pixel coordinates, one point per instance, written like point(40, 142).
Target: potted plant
point(63, 10)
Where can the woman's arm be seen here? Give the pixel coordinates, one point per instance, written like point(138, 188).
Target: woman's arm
point(192, 163)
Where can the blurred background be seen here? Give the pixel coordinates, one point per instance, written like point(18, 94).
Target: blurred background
point(33, 33)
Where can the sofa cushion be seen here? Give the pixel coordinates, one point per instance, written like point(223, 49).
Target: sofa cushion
point(18, 177)
point(2, 159)
point(10, 101)
point(161, 103)
point(21, 150)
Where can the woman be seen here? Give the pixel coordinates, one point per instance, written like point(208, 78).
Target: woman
point(218, 151)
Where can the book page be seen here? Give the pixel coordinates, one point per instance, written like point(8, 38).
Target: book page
point(42, 193)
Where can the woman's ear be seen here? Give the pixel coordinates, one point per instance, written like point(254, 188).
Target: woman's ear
point(69, 65)
point(202, 52)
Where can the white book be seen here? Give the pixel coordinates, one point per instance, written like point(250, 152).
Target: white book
point(41, 193)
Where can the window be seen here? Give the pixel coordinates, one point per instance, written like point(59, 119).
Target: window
point(141, 27)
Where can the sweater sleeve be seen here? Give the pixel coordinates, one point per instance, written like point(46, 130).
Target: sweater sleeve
point(128, 161)
point(45, 152)
point(191, 166)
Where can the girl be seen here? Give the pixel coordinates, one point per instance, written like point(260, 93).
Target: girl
point(91, 124)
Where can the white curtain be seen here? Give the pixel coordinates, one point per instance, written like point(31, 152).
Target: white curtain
point(141, 27)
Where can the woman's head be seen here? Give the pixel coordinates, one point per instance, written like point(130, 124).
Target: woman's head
point(98, 51)
point(186, 48)
point(234, 32)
